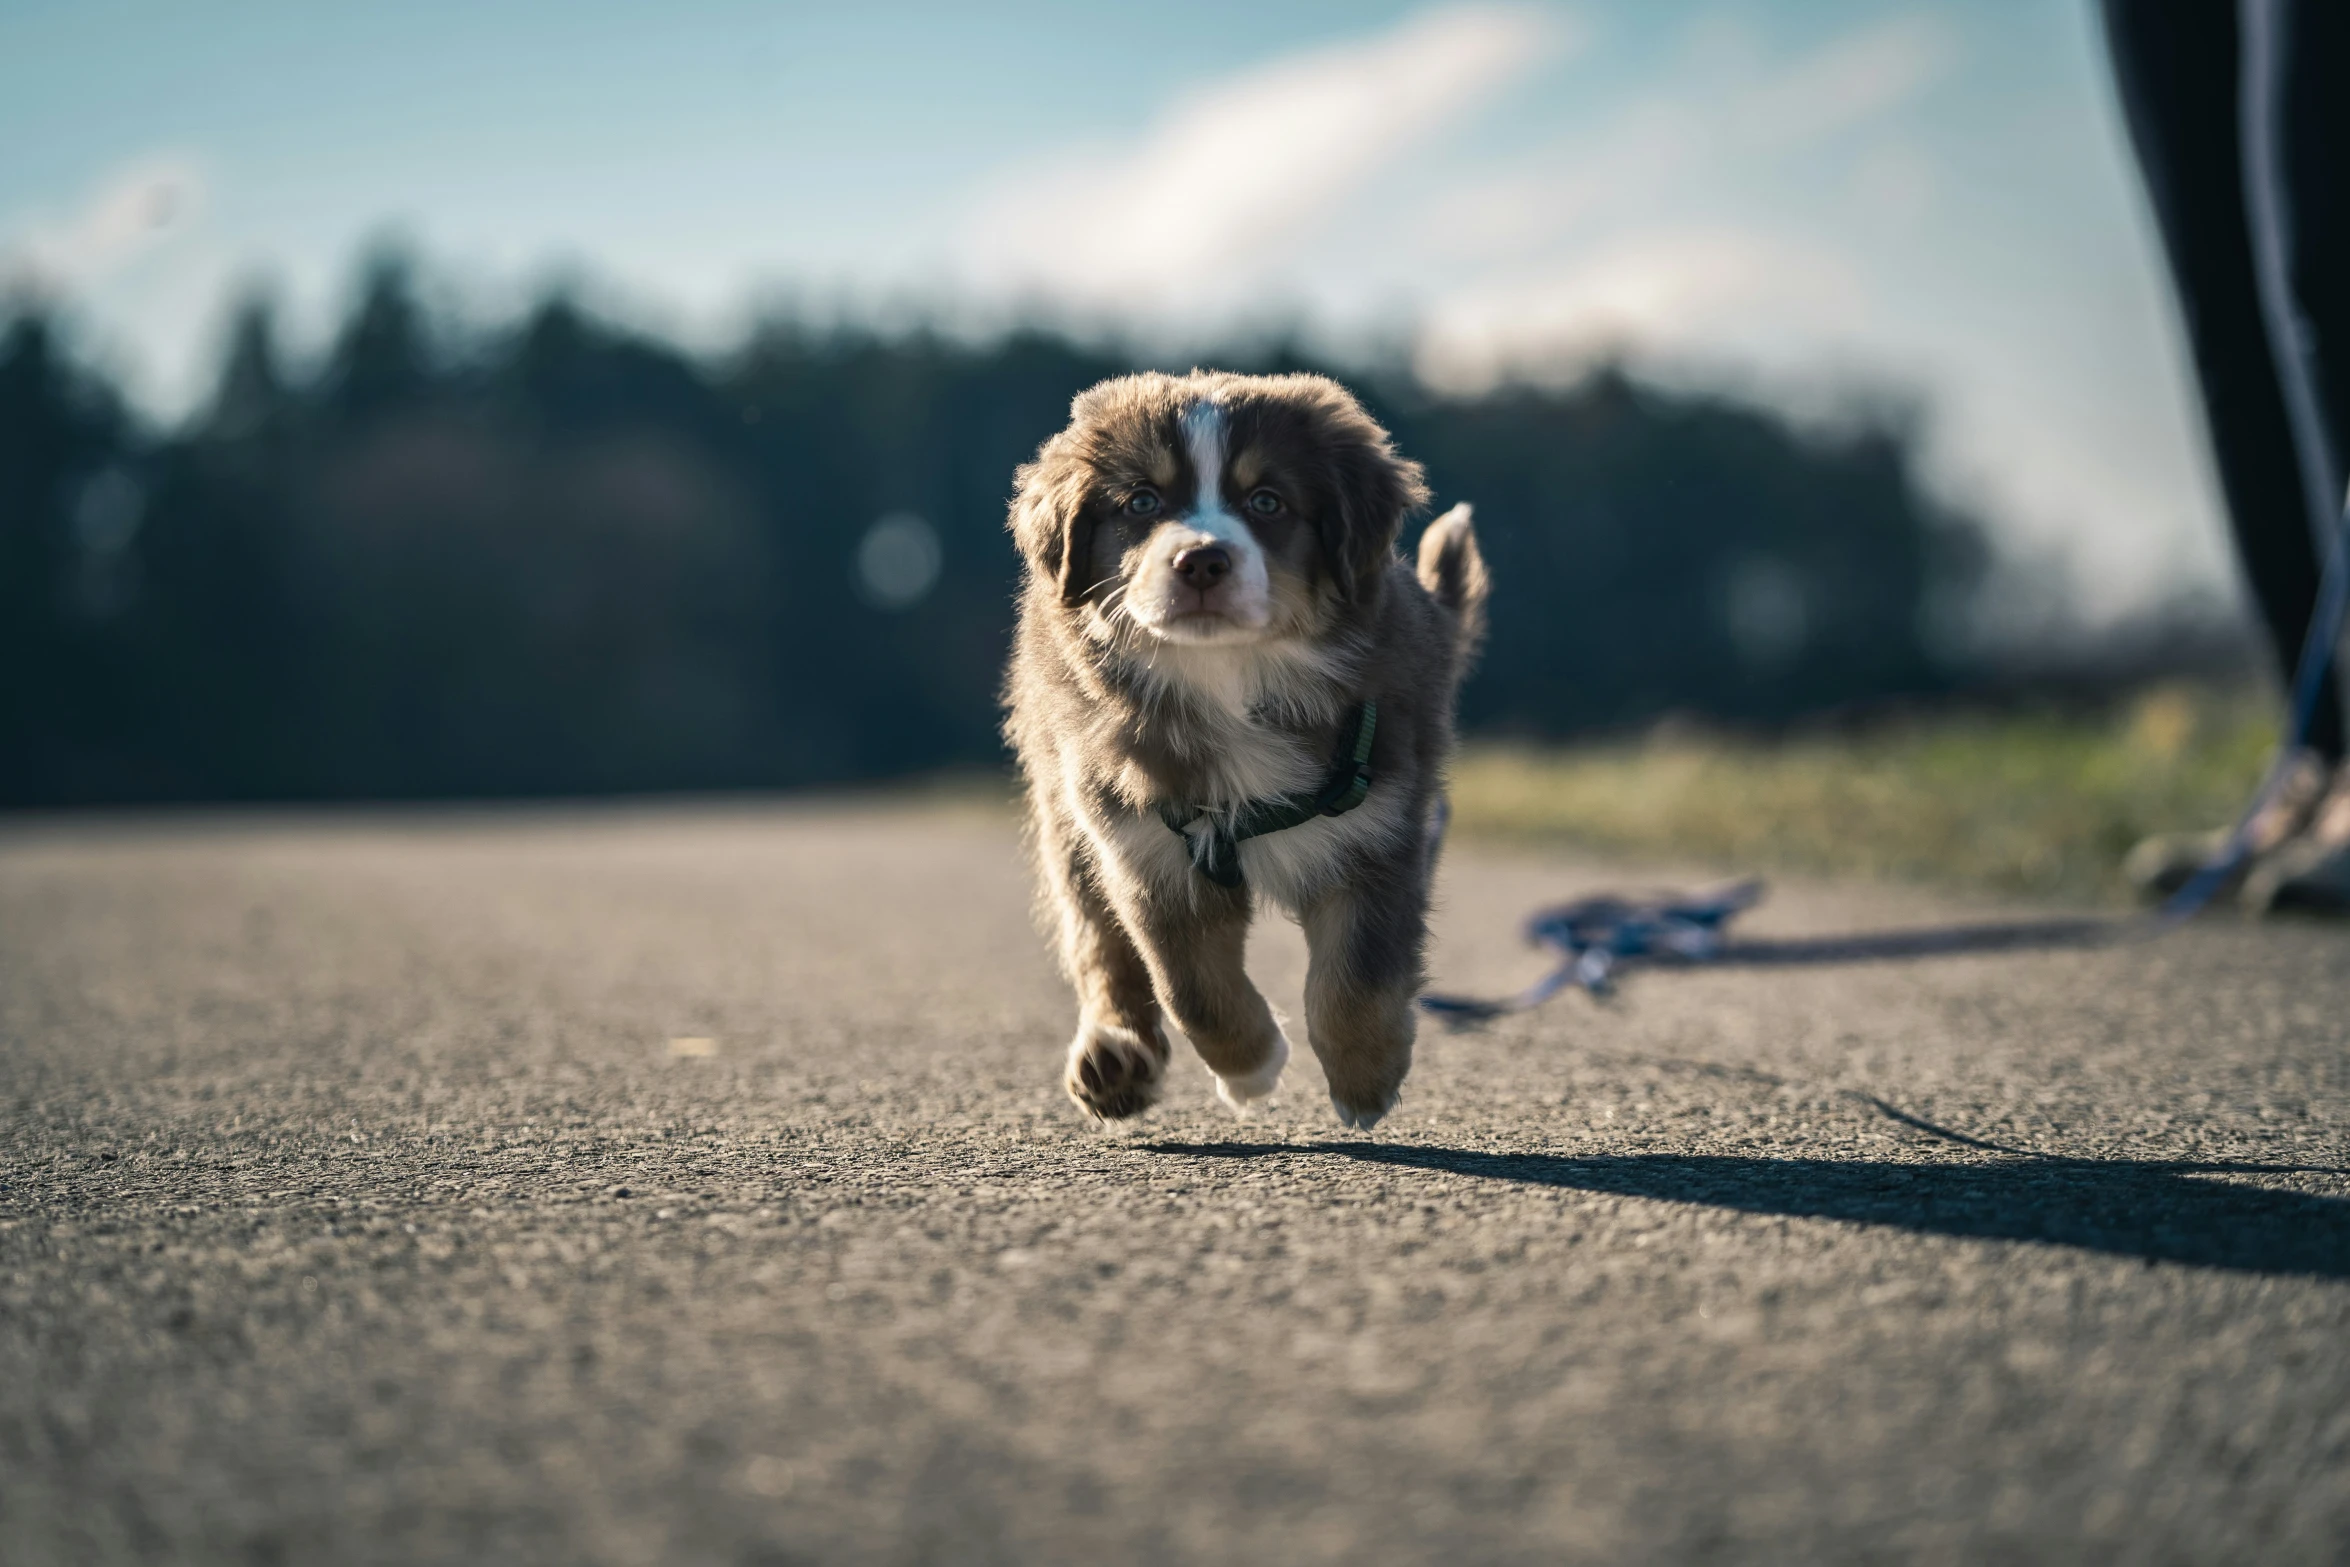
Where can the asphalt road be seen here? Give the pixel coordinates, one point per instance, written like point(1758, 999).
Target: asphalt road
point(356, 1206)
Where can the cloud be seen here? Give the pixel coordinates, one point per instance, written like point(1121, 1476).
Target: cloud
point(1662, 292)
point(1673, 141)
point(131, 210)
point(1856, 78)
point(1628, 240)
point(1231, 172)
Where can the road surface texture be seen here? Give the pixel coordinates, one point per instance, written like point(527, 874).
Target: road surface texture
point(693, 1184)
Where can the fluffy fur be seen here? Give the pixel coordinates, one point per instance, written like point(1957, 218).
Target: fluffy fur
point(1212, 586)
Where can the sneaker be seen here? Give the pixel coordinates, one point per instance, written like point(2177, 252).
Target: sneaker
point(2162, 864)
point(2295, 882)
point(2311, 874)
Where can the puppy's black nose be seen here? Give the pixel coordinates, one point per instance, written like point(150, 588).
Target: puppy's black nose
point(1203, 565)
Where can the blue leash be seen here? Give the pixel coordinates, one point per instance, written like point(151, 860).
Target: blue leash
point(1597, 937)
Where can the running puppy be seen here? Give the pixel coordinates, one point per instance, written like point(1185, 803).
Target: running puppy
point(1225, 684)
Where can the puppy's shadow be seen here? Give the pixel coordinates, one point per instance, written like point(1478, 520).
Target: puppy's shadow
point(2158, 1210)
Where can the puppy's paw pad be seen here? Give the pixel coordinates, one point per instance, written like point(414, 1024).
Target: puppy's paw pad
point(1244, 1089)
point(1114, 1073)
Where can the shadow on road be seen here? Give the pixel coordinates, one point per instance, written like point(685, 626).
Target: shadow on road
point(2162, 1211)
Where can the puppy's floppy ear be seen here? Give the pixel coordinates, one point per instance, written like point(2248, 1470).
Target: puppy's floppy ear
point(1374, 491)
point(1053, 525)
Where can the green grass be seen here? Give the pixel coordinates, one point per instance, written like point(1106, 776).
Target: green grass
point(2040, 804)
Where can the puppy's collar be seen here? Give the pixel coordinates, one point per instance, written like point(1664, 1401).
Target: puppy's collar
point(1215, 850)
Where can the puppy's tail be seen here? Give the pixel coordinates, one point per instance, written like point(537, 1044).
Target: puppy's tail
point(1453, 572)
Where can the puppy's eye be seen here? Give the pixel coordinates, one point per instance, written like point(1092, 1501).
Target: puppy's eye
point(1142, 503)
point(1264, 503)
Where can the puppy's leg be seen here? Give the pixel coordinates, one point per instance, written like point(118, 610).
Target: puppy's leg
point(1118, 1060)
point(1196, 946)
point(1364, 942)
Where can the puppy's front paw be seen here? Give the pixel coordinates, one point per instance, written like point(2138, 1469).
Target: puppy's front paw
point(1113, 1072)
point(1363, 1115)
point(1244, 1089)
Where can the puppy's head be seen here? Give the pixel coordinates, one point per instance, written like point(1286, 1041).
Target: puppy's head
point(1213, 508)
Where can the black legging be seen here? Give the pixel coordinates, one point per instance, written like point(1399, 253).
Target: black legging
point(2181, 68)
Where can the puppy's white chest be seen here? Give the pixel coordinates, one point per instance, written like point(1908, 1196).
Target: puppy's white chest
point(1255, 763)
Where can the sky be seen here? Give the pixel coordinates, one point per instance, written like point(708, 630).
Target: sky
point(1807, 201)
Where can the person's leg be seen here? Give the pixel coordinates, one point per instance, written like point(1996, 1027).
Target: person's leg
point(2312, 139)
point(2179, 65)
point(2314, 147)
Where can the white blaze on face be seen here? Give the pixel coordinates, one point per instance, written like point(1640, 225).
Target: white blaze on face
point(1203, 437)
point(1239, 606)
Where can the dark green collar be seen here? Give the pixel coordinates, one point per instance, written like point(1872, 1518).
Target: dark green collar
point(1215, 853)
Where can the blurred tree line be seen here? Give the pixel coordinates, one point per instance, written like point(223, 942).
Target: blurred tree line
point(563, 557)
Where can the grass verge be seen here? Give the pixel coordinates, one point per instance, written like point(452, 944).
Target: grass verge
point(2044, 804)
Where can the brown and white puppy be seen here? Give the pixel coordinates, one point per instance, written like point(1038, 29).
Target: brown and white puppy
point(1212, 590)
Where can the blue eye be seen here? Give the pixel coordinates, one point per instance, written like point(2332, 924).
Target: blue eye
point(1142, 503)
point(1264, 502)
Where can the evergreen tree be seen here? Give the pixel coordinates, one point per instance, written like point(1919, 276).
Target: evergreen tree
point(381, 359)
point(70, 509)
point(251, 395)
